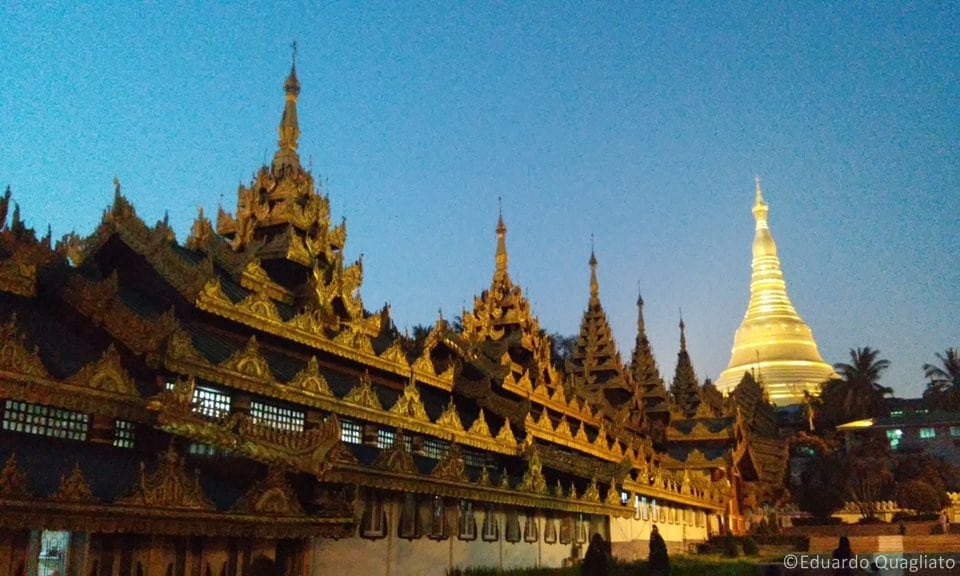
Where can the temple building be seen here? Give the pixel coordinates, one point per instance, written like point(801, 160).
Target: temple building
point(773, 343)
point(229, 403)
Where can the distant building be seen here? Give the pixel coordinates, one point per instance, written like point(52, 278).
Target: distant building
point(912, 431)
point(773, 341)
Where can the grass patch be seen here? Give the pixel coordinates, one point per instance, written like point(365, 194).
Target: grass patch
point(679, 566)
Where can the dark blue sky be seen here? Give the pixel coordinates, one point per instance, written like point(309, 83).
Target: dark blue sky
point(640, 123)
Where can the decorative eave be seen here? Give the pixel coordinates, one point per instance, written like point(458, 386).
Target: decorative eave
point(101, 387)
point(308, 389)
point(556, 400)
point(698, 433)
point(259, 312)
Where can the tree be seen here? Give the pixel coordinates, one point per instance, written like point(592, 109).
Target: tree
point(871, 478)
point(920, 496)
point(561, 349)
point(857, 394)
point(821, 488)
point(943, 388)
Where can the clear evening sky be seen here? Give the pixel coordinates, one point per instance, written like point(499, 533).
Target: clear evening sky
point(640, 123)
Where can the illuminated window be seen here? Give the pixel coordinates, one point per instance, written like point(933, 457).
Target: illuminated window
point(349, 432)
point(44, 420)
point(955, 431)
point(928, 433)
point(197, 449)
point(475, 458)
point(624, 497)
point(894, 437)
point(210, 402)
point(436, 449)
point(123, 434)
point(644, 509)
point(581, 530)
point(384, 438)
point(277, 417)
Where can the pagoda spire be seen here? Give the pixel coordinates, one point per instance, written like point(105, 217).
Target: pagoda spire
point(772, 337)
point(685, 388)
point(595, 362)
point(500, 273)
point(646, 374)
point(289, 129)
point(594, 285)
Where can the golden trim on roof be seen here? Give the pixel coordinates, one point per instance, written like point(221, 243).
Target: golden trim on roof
point(408, 405)
point(14, 356)
point(270, 496)
point(106, 374)
point(363, 394)
point(311, 380)
point(168, 487)
point(249, 362)
point(74, 488)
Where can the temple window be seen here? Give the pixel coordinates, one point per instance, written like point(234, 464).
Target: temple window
point(44, 420)
point(410, 526)
point(512, 529)
point(384, 438)
point(624, 497)
point(687, 516)
point(350, 432)
point(199, 449)
point(436, 449)
point(582, 535)
point(644, 509)
point(491, 529)
point(210, 402)
point(566, 530)
point(531, 529)
point(475, 458)
point(373, 524)
point(550, 530)
point(955, 431)
point(123, 434)
point(277, 416)
point(438, 519)
point(467, 523)
point(926, 433)
point(52, 558)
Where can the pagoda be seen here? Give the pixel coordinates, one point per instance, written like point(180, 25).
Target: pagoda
point(773, 342)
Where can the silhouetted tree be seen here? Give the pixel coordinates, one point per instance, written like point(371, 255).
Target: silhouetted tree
point(943, 388)
point(857, 394)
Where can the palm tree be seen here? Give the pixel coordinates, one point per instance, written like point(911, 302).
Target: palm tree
point(859, 390)
point(943, 389)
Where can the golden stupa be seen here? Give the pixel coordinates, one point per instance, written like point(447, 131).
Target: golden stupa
point(773, 342)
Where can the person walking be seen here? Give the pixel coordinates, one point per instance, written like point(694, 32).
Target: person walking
point(596, 561)
point(659, 560)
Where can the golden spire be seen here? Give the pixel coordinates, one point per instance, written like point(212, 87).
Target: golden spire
point(594, 285)
point(501, 260)
point(289, 129)
point(772, 337)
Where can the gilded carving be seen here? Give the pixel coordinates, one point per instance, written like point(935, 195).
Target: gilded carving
point(408, 405)
point(168, 487)
point(14, 356)
point(613, 495)
point(311, 380)
point(396, 458)
point(394, 353)
point(558, 490)
point(363, 394)
point(212, 293)
point(249, 362)
point(504, 479)
point(479, 426)
point(451, 466)
point(260, 305)
point(424, 364)
point(180, 347)
point(563, 427)
point(270, 496)
point(484, 479)
point(106, 374)
point(13, 482)
point(505, 435)
point(451, 418)
point(74, 488)
point(533, 480)
point(592, 494)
